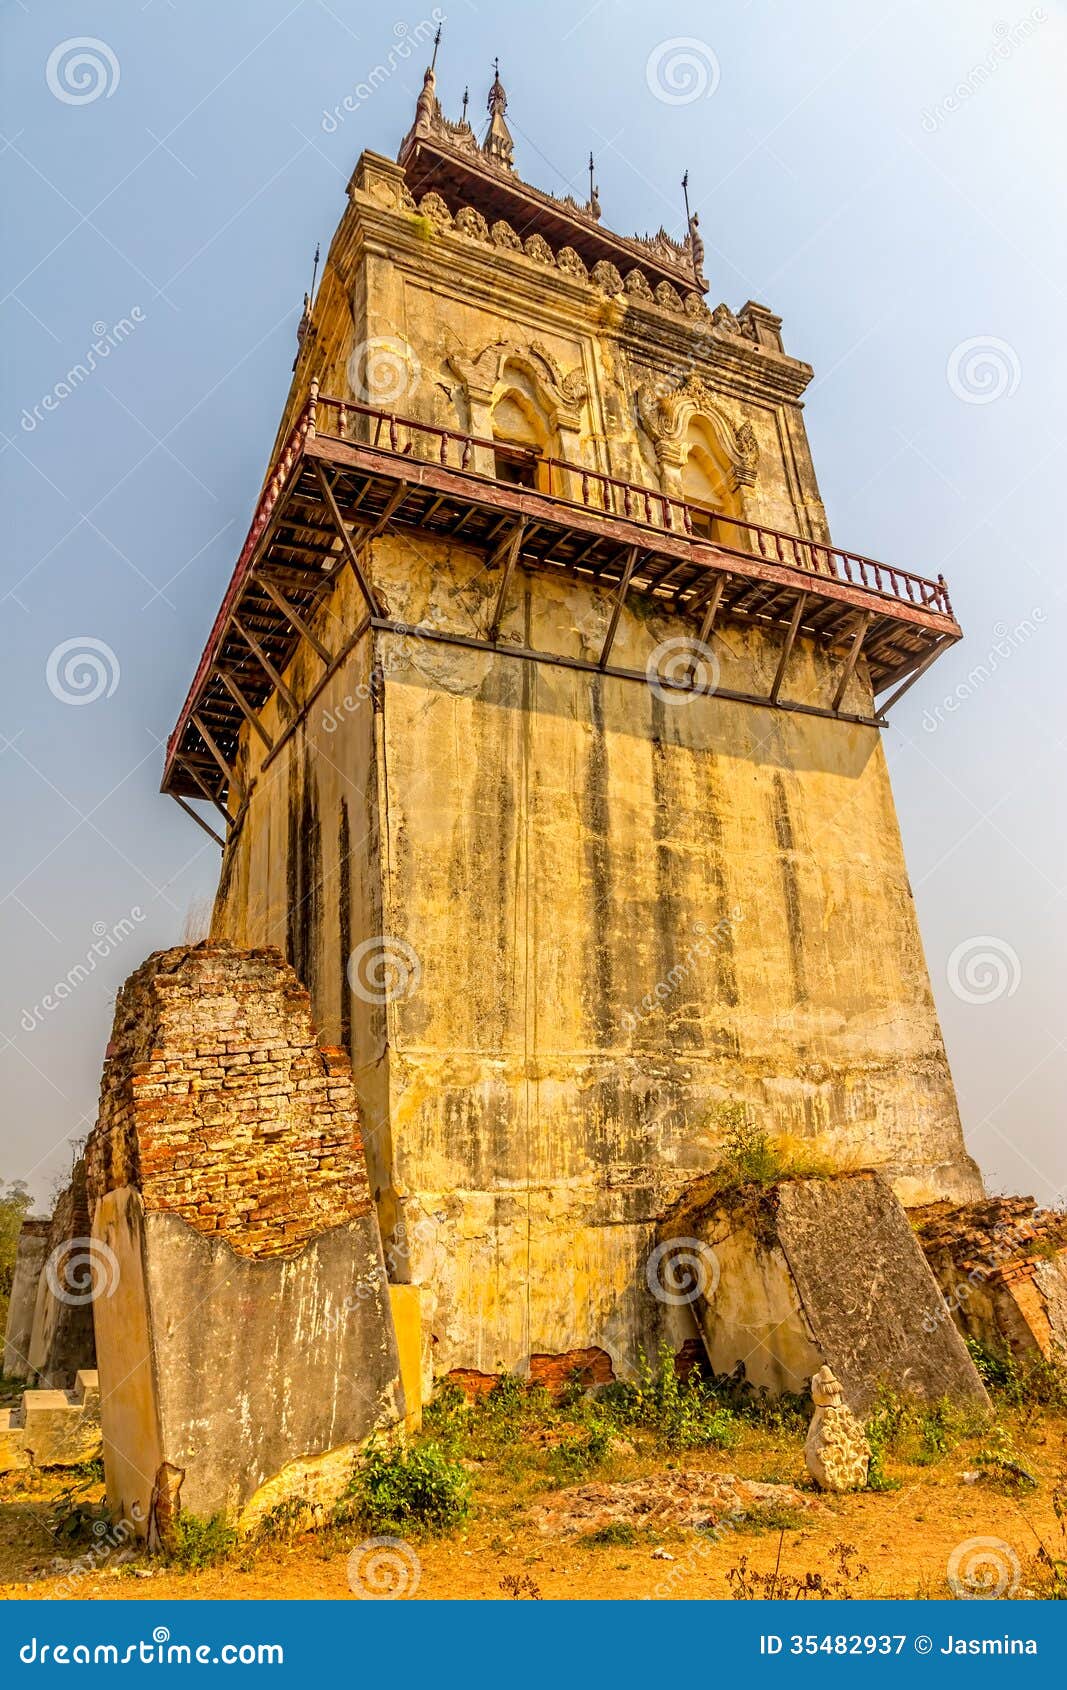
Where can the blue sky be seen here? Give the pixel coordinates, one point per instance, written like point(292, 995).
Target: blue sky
point(888, 177)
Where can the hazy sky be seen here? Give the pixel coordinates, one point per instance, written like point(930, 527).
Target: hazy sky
point(888, 177)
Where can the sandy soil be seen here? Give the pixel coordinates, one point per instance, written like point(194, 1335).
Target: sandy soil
point(905, 1538)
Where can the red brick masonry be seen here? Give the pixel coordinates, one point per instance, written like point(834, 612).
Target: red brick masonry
point(218, 1103)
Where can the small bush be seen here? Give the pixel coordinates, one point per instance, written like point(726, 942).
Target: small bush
point(616, 1532)
point(403, 1490)
point(195, 1543)
point(681, 1413)
point(572, 1458)
point(1041, 1384)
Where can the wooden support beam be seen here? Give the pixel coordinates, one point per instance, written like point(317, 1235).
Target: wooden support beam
point(292, 615)
point(916, 675)
point(245, 708)
point(616, 610)
point(794, 624)
point(205, 734)
point(346, 539)
point(850, 662)
point(712, 609)
point(510, 551)
point(276, 680)
point(199, 820)
point(212, 797)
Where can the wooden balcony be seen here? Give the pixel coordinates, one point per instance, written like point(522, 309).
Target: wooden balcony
point(349, 471)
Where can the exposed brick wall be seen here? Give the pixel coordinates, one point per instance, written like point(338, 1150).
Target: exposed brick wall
point(218, 1103)
point(990, 1235)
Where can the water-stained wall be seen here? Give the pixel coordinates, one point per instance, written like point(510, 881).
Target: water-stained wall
point(572, 916)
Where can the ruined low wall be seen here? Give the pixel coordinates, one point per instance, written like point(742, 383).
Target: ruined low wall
point(62, 1341)
point(1002, 1268)
point(248, 1344)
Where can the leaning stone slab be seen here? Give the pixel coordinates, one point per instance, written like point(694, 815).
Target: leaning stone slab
point(32, 1251)
point(247, 1349)
point(808, 1273)
point(62, 1340)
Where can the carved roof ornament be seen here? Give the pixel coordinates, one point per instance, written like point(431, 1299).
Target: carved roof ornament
point(560, 392)
point(665, 414)
point(498, 144)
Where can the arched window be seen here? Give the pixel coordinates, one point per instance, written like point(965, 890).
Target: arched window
point(522, 436)
point(707, 484)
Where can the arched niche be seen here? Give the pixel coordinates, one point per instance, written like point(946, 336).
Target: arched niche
point(522, 432)
point(708, 481)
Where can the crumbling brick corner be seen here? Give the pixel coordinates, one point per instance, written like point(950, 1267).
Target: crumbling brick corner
point(250, 1329)
point(1002, 1267)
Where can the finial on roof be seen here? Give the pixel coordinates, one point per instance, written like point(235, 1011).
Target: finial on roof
point(498, 144)
point(436, 44)
point(594, 192)
point(693, 240)
point(466, 103)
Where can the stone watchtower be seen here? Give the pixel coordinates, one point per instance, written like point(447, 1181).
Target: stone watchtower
point(544, 720)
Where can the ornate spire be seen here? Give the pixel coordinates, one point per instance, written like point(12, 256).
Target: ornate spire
point(498, 144)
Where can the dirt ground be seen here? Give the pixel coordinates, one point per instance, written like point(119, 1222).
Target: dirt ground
point(904, 1539)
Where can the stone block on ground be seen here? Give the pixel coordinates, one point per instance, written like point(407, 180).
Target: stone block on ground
point(248, 1348)
point(806, 1273)
point(53, 1428)
point(667, 1501)
point(836, 1450)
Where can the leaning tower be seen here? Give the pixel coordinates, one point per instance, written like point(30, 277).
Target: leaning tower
point(542, 718)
